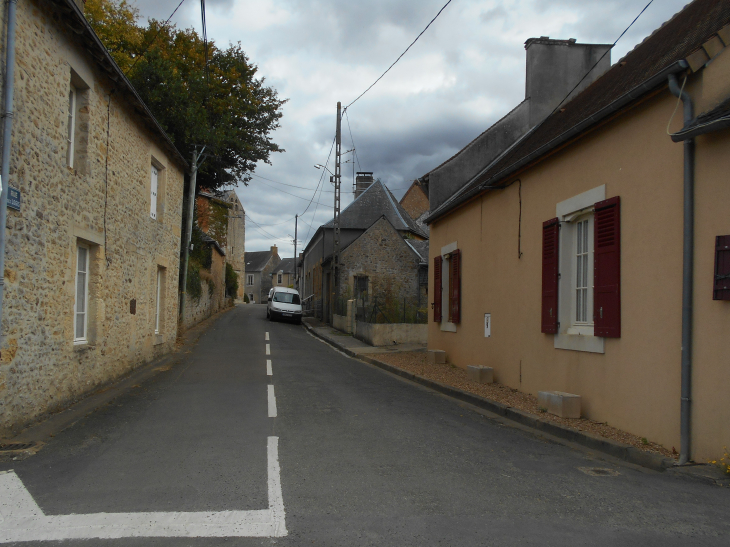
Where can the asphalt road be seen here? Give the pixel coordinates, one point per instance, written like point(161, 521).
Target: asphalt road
point(365, 458)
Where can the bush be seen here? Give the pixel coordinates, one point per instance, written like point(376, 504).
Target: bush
point(194, 288)
point(245, 298)
point(231, 281)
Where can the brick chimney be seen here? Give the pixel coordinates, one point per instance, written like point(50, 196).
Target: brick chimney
point(274, 250)
point(554, 67)
point(363, 180)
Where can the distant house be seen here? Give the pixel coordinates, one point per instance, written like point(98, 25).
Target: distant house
point(284, 273)
point(92, 249)
point(374, 201)
point(415, 202)
point(260, 266)
point(599, 249)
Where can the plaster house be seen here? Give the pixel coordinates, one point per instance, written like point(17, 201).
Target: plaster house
point(284, 273)
point(92, 248)
point(260, 266)
point(374, 201)
point(572, 241)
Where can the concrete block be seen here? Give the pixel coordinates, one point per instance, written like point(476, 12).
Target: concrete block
point(436, 356)
point(565, 405)
point(481, 374)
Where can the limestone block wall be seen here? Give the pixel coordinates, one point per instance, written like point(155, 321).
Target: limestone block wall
point(103, 202)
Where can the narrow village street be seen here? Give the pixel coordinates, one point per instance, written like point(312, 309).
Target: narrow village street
point(364, 458)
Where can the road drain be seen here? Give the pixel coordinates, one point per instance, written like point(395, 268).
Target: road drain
point(13, 447)
point(599, 471)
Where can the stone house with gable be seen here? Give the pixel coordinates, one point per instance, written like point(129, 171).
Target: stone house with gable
point(91, 266)
point(284, 273)
point(600, 246)
point(374, 200)
point(260, 266)
point(415, 202)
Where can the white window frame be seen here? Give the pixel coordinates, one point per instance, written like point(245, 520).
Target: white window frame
point(84, 338)
point(72, 93)
point(574, 334)
point(579, 325)
point(249, 280)
point(154, 185)
point(157, 303)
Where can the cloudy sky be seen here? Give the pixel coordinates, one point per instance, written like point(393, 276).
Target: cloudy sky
point(463, 74)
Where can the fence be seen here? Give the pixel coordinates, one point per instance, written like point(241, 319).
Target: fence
point(390, 311)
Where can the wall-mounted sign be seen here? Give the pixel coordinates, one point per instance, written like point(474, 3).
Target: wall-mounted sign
point(13, 198)
point(487, 325)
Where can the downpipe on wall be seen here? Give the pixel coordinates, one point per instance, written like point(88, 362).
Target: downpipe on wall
point(687, 276)
point(7, 134)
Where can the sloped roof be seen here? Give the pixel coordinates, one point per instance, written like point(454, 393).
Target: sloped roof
point(672, 42)
point(714, 120)
point(256, 261)
point(369, 206)
point(286, 265)
point(208, 239)
point(421, 248)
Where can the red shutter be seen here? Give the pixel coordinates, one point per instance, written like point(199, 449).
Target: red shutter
point(722, 269)
point(607, 269)
point(437, 286)
point(550, 231)
point(455, 286)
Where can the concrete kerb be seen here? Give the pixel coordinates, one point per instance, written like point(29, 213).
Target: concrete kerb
point(55, 422)
point(615, 449)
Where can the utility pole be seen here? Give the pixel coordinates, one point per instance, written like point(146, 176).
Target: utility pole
point(189, 227)
point(336, 238)
point(296, 269)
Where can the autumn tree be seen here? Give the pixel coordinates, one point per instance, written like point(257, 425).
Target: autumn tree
point(220, 104)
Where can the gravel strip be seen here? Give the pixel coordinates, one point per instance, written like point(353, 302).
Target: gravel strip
point(451, 375)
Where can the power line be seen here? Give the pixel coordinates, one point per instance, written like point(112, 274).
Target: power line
point(286, 184)
point(153, 39)
point(264, 231)
point(289, 193)
point(205, 41)
point(315, 191)
point(399, 57)
point(354, 148)
point(601, 59)
point(268, 225)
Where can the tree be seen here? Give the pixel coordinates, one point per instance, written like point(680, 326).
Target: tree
point(221, 104)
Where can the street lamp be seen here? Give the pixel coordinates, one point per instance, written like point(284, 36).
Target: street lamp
point(320, 166)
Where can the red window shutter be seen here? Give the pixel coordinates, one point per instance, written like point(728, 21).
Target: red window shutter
point(607, 269)
point(455, 286)
point(437, 286)
point(722, 269)
point(550, 231)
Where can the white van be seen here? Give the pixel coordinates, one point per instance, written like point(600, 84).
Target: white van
point(284, 303)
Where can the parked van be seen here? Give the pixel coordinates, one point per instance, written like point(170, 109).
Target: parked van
point(284, 303)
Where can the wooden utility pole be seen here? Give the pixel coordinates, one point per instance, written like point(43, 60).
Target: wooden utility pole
point(336, 238)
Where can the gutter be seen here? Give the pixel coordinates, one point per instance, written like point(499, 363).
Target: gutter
point(623, 100)
point(701, 129)
point(7, 137)
point(687, 276)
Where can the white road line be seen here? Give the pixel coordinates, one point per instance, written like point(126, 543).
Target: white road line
point(268, 349)
point(269, 372)
point(272, 402)
point(267, 336)
point(21, 519)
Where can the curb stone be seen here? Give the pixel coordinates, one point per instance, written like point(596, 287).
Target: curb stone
point(618, 450)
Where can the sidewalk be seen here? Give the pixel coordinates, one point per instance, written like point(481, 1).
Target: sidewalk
point(351, 345)
point(538, 424)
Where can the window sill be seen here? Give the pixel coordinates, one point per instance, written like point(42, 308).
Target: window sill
point(580, 330)
point(448, 327)
point(159, 339)
point(579, 342)
point(81, 346)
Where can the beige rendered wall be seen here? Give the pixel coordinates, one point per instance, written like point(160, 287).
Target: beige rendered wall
point(635, 384)
point(41, 369)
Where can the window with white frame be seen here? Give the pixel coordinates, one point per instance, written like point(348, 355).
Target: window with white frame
point(249, 279)
point(158, 300)
point(71, 126)
point(81, 305)
point(154, 176)
point(582, 301)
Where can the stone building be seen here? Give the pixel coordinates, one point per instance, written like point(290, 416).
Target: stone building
point(236, 241)
point(91, 271)
point(260, 267)
point(212, 296)
point(374, 201)
point(284, 274)
point(415, 202)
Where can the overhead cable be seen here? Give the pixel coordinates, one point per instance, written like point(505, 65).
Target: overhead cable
point(153, 39)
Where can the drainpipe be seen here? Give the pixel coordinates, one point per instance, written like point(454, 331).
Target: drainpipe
point(7, 134)
point(687, 275)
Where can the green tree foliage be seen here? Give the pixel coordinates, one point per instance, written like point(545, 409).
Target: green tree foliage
point(225, 107)
point(231, 281)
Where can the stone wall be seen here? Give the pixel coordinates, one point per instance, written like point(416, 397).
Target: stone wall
point(415, 201)
point(103, 206)
point(212, 300)
point(385, 258)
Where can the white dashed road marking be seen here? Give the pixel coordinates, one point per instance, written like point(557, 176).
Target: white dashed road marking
point(267, 336)
point(272, 402)
point(268, 349)
point(269, 372)
point(21, 519)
